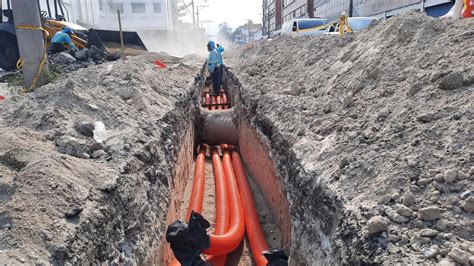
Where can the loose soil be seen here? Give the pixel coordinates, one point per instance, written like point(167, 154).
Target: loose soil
point(372, 135)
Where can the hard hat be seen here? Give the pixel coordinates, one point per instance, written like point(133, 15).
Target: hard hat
point(68, 30)
point(212, 44)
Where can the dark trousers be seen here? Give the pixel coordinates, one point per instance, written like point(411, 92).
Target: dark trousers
point(216, 81)
point(57, 48)
point(222, 74)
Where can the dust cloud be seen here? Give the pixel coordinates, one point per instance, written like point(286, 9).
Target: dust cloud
point(180, 42)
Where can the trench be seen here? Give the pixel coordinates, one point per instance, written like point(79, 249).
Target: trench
point(266, 188)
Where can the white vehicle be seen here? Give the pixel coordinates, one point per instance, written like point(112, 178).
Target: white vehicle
point(305, 26)
point(355, 23)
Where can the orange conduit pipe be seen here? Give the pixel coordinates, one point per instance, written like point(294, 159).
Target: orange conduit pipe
point(222, 204)
point(252, 223)
point(219, 102)
point(213, 101)
point(223, 244)
point(208, 99)
point(197, 194)
point(224, 100)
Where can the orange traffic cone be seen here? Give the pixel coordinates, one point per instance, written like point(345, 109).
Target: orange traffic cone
point(468, 9)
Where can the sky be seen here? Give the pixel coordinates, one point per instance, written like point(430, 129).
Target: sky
point(234, 12)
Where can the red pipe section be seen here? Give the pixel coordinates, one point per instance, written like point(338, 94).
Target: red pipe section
point(213, 101)
point(219, 102)
point(197, 194)
point(223, 244)
point(224, 100)
point(252, 223)
point(222, 203)
point(208, 99)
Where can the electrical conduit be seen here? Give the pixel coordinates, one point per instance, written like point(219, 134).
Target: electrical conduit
point(252, 223)
point(197, 194)
point(223, 244)
point(222, 203)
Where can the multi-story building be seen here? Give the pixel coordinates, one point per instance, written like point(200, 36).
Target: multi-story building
point(137, 15)
point(270, 15)
point(276, 12)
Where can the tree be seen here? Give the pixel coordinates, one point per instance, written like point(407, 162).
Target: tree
point(224, 32)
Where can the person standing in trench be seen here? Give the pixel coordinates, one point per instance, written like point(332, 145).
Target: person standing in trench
point(214, 68)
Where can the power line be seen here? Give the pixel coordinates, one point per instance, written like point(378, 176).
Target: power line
point(186, 7)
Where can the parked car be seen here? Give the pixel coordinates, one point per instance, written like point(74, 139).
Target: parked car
point(355, 23)
point(302, 27)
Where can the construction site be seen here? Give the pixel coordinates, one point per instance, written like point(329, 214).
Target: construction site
point(326, 145)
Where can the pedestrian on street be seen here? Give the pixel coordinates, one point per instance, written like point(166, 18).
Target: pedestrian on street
point(214, 68)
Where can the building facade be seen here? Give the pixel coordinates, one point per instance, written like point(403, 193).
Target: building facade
point(270, 16)
point(137, 15)
point(277, 12)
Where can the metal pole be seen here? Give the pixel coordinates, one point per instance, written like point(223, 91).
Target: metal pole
point(30, 42)
point(1, 11)
point(122, 46)
point(197, 16)
point(249, 28)
point(49, 8)
point(56, 9)
point(194, 18)
point(351, 8)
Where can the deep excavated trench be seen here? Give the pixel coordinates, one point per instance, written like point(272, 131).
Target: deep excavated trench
point(266, 188)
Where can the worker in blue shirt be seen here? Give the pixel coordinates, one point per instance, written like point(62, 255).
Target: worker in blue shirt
point(214, 68)
point(60, 40)
point(220, 50)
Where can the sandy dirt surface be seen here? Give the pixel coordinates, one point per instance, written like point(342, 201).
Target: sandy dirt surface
point(373, 135)
point(64, 197)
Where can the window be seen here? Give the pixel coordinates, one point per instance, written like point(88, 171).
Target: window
point(115, 7)
point(138, 8)
point(297, 13)
point(287, 2)
point(101, 5)
point(157, 7)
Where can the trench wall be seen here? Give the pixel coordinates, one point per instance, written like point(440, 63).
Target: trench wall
point(306, 211)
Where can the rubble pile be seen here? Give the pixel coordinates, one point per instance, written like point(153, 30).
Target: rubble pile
point(372, 134)
point(85, 163)
point(68, 62)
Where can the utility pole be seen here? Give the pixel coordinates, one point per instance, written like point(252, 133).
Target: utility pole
point(248, 28)
point(197, 13)
point(30, 41)
point(122, 46)
point(194, 17)
point(197, 16)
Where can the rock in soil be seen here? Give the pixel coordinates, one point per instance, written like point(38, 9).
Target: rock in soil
point(430, 213)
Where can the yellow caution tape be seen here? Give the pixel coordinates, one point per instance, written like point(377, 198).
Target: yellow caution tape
point(344, 25)
point(44, 57)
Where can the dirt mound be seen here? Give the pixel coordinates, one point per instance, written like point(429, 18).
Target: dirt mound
point(68, 197)
point(372, 134)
